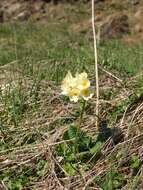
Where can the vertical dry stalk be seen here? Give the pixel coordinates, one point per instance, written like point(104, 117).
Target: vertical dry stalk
point(96, 63)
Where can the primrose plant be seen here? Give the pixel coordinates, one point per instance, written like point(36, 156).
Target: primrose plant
point(77, 88)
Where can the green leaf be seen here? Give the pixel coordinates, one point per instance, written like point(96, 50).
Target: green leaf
point(61, 149)
point(70, 168)
point(135, 162)
point(112, 180)
point(96, 149)
point(70, 133)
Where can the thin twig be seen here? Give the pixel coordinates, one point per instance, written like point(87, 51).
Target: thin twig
point(4, 186)
point(110, 74)
point(96, 63)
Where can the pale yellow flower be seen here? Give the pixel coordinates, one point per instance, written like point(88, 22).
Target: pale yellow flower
point(76, 87)
point(82, 81)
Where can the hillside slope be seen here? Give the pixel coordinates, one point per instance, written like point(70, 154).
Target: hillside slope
point(114, 19)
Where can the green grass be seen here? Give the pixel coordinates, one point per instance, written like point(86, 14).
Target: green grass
point(52, 50)
point(125, 59)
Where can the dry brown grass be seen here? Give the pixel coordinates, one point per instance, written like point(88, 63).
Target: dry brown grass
point(125, 141)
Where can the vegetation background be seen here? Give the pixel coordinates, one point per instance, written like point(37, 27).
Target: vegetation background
point(39, 42)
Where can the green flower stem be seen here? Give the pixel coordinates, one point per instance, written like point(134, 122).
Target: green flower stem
point(83, 105)
point(82, 112)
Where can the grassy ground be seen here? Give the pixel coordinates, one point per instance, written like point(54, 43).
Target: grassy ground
point(39, 145)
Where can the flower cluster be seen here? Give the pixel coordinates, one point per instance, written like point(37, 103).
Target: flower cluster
point(76, 87)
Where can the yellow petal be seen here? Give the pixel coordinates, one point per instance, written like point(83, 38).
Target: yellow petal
point(74, 94)
point(82, 81)
point(67, 83)
point(74, 99)
point(83, 84)
point(81, 75)
point(86, 94)
point(65, 89)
